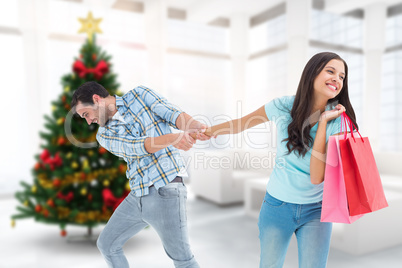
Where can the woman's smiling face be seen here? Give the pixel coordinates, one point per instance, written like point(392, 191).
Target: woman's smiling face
point(329, 81)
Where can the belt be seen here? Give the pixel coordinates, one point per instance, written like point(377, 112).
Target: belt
point(177, 179)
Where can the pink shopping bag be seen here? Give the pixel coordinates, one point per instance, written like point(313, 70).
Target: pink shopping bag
point(335, 202)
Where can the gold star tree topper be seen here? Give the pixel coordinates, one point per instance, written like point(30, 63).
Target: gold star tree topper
point(90, 25)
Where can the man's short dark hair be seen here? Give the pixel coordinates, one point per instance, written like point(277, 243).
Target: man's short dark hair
point(85, 92)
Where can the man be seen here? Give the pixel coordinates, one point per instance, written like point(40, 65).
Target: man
point(136, 127)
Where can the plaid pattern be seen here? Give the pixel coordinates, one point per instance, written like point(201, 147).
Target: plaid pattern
point(146, 114)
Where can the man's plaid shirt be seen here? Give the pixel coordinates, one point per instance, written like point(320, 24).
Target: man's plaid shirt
point(146, 114)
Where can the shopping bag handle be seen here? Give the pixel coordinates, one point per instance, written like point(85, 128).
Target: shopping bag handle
point(348, 122)
point(344, 123)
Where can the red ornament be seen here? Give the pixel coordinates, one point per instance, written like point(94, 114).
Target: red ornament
point(37, 166)
point(99, 71)
point(45, 155)
point(56, 183)
point(38, 208)
point(67, 107)
point(61, 141)
point(63, 233)
point(83, 176)
point(122, 168)
point(46, 213)
point(63, 98)
point(50, 202)
point(102, 150)
point(57, 161)
point(94, 56)
point(90, 197)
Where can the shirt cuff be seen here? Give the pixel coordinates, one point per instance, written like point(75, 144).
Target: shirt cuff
point(140, 146)
point(174, 117)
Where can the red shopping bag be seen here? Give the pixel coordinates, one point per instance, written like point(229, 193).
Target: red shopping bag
point(363, 183)
point(334, 200)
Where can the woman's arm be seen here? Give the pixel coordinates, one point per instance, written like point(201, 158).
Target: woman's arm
point(238, 125)
point(318, 154)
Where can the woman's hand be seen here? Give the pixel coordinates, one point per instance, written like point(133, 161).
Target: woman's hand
point(202, 133)
point(335, 113)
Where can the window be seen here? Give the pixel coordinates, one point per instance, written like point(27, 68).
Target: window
point(393, 31)
point(335, 29)
point(391, 102)
point(268, 35)
point(391, 89)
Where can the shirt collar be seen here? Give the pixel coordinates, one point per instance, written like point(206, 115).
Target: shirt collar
point(117, 116)
point(119, 101)
point(119, 106)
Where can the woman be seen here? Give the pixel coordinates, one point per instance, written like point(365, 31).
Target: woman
point(293, 200)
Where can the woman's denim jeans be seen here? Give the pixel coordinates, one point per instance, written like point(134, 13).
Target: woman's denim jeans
point(278, 221)
point(165, 210)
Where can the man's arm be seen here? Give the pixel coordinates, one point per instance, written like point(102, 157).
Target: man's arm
point(186, 123)
point(182, 141)
point(122, 146)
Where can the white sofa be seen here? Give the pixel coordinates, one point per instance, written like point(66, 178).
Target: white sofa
point(220, 175)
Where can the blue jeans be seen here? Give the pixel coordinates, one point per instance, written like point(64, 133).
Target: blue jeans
point(278, 221)
point(165, 210)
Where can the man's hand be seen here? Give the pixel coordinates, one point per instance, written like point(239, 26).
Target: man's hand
point(197, 130)
point(200, 133)
point(183, 141)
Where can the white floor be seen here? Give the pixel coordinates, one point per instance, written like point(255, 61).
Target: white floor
point(220, 237)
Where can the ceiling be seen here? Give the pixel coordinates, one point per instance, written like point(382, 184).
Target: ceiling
point(206, 11)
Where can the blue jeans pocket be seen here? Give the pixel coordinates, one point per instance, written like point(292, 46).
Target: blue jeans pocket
point(169, 191)
point(272, 201)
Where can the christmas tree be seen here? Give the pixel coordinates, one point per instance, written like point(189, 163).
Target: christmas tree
point(73, 184)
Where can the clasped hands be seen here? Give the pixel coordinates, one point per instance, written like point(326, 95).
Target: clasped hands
point(195, 131)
